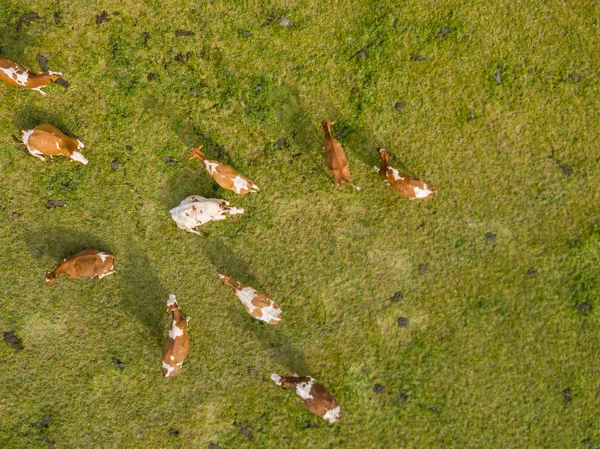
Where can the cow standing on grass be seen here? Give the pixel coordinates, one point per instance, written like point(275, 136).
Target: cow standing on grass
point(226, 177)
point(177, 345)
point(50, 141)
point(87, 263)
point(14, 74)
point(335, 157)
point(316, 397)
point(257, 304)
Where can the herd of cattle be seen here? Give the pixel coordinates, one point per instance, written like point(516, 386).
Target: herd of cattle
point(194, 211)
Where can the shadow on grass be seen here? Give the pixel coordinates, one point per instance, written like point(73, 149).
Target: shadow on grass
point(274, 340)
point(59, 242)
point(142, 294)
point(33, 116)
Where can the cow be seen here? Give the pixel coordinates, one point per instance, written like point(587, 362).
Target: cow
point(49, 140)
point(335, 157)
point(177, 346)
point(196, 210)
point(14, 74)
point(87, 263)
point(402, 183)
point(225, 176)
point(257, 304)
point(316, 397)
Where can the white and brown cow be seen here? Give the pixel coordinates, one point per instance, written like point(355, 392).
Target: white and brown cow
point(226, 177)
point(401, 183)
point(257, 304)
point(14, 74)
point(196, 210)
point(51, 141)
point(177, 345)
point(316, 397)
point(87, 263)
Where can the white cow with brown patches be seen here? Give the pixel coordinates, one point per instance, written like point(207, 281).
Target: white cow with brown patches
point(195, 210)
point(257, 304)
point(14, 74)
point(87, 263)
point(177, 345)
point(401, 183)
point(51, 141)
point(316, 397)
point(224, 175)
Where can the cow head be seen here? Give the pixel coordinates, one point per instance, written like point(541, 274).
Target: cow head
point(326, 124)
point(172, 304)
point(50, 278)
point(383, 154)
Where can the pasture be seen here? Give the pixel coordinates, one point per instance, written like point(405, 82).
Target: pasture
point(469, 320)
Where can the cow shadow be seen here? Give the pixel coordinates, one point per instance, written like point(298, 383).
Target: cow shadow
point(59, 242)
point(33, 116)
point(274, 340)
point(142, 294)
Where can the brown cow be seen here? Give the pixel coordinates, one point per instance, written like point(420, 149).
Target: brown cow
point(257, 304)
point(401, 183)
point(316, 397)
point(87, 263)
point(15, 74)
point(48, 139)
point(177, 345)
point(225, 176)
point(335, 157)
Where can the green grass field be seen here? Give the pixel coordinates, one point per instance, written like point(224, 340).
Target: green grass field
point(499, 272)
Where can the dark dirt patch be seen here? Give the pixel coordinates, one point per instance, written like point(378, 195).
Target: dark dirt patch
point(212, 445)
point(251, 371)
point(62, 82)
point(399, 105)
point(281, 143)
point(26, 19)
point(14, 215)
point(118, 364)
point(146, 37)
point(566, 394)
point(55, 203)
point(422, 268)
point(532, 272)
point(397, 297)
point(43, 422)
point(114, 164)
point(57, 17)
point(49, 443)
point(584, 307)
point(42, 62)
point(572, 77)
point(498, 75)
point(490, 237)
point(244, 33)
point(151, 76)
point(471, 116)
point(128, 147)
point(444, 31)
point(361, 54)
point(416, 57)
point(378, 388)
point(11, 339)
point(102, 17)
point(434, 409)
point(184, 33)
point(285, 22)
point(403, 397)
point(173, 432)
point(309, 424)
point(169, 160)
point(402, 322)
point(247, 432)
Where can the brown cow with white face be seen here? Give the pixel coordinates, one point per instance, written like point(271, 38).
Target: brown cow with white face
point(335, 157)
point(316, 397)
point(177, 345)
point(49, 140)
point(14, 74)
point(87, 263)
point(257, 304)
point(226, 177)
